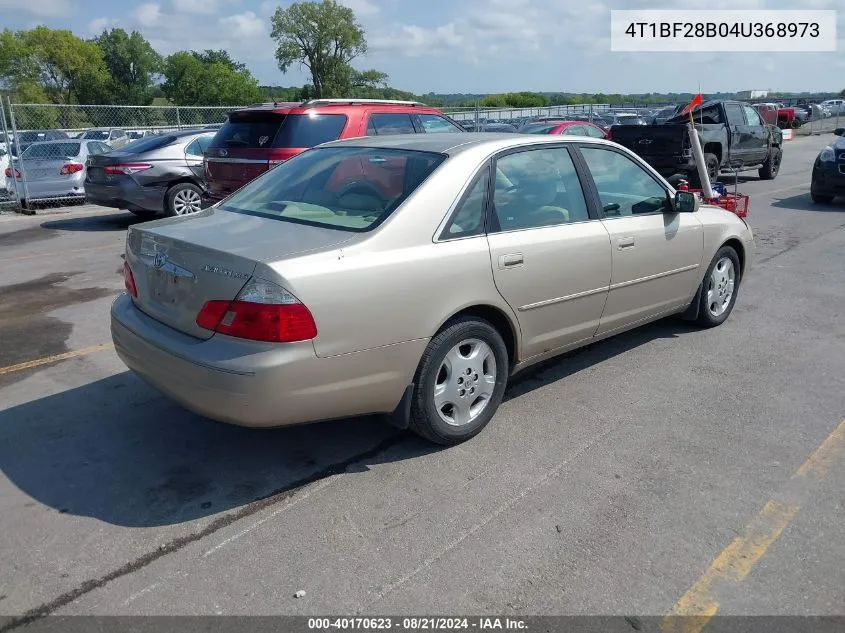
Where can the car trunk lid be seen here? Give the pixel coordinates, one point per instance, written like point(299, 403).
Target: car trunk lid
point(179, 264)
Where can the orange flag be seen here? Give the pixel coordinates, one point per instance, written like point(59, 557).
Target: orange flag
point(695, 102)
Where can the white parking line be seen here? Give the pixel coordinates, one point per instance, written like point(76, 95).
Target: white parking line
point(325, 483)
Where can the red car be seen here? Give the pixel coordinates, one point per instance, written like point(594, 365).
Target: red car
point(570, 128)
point(256, 138)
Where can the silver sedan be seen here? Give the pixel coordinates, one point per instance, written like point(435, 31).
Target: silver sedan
point(413, 276)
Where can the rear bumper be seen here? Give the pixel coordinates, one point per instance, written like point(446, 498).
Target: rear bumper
point(257, 384)
point(128, 195)
point(54, 188)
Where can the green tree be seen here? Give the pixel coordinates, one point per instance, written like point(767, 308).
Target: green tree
point(209, 57)
point(189, 81)
point(63, 65)
point(133, 65)
point(324, 37)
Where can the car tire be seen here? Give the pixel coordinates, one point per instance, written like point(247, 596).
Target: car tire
point(820, 199)
point(464, 361)
point(711, 162)
point(771, 167)
point(183, 198)
point(719, 288)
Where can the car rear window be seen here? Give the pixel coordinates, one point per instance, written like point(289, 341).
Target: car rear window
point(258, 130)
point(147, 144)
point(52, 150)
point(96, 135)
point(348, 188)
point(538, 128)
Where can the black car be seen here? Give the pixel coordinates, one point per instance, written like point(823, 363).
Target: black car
point(153, 175)
point(829, 171)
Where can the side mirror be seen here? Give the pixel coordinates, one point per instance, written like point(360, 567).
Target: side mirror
point(685, 202)
point(839, 131)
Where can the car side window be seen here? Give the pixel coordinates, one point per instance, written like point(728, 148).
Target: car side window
point(390, 124)
point(624, 187)
point(204, 142)
point(535, 188)
point(574, 130)
point(468, 218)
point(593, 132)
point(734, 112)
point(752, 116)
point(193, 148)
point(433, 124)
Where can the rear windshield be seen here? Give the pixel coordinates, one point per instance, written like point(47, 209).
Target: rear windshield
point(96, 135)
point(147, 144)
point(348, 188)
point(538, 128)
point(52, 150)
point(258, 130)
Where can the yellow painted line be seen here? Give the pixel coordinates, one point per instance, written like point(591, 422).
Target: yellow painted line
point(56, 253)
point(698, 605)
point(819, 461)
point(30, 364)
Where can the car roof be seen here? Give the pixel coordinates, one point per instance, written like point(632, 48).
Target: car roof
point(304, 107)
point(454, 143)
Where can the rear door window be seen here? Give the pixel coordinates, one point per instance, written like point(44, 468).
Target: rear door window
point(734, 114)
point(193, 148)
point(433, 124)
point(393, 123)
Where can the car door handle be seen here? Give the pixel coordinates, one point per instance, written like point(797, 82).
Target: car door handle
point(625, 242)
point(511, 260)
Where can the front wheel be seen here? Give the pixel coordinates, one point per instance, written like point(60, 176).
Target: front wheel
point(771, 167)
point(719, 288)
point(820, 199)
point(460, 381)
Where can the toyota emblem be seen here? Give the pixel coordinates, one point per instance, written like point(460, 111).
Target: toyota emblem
point(160, 260)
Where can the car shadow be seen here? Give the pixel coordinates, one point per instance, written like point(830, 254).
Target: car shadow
point(118, 451)
point(94, 223)
point(803, 202)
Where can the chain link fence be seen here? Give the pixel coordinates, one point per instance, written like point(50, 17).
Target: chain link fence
point(821, 124)
point(33, 177)
point(30, 180)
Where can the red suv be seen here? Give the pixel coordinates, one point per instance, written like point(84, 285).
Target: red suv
point(256, 138)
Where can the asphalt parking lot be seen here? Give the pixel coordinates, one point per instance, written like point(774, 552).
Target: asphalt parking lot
point(666, 470)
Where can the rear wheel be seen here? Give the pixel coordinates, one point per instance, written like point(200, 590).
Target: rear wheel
point(711, 162)
point(460, 382)
point(820, 199)
point(719, 288)
point(183, 198)
point(771, 167)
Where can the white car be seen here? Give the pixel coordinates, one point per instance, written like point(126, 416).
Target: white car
point(834, 106)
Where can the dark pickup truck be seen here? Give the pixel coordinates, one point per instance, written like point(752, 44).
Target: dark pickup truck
point(733, 136)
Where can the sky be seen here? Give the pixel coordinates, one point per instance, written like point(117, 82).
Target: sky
point(464, 46)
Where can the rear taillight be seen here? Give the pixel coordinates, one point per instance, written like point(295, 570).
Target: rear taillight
point(129, 280)
point(71, 168)
point(9, 173)
point(262, 311)
point(126, 169)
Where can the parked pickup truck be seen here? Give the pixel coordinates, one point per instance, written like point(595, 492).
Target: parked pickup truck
point(733, 136)
point(777, 114)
